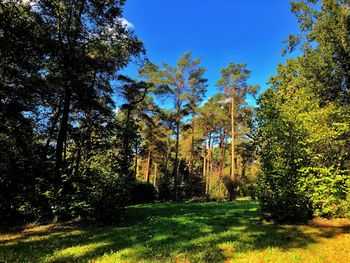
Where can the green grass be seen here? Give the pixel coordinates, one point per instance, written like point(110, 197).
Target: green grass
point(182, 232)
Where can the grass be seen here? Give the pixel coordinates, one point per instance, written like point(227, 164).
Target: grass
point(183, 232)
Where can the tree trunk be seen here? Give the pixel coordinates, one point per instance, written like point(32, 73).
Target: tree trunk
point(176, 161)
point(148, 170)
point(205, 160)
point(167, 160)
point(233, 133)
point(77, 163)
point(209, 165)
point(222, 160)
point(222, 156)
point(135, 168)
point(62, 134)
point(126, 155)
point(192, 153)
point(155, 174)
point(54, 119)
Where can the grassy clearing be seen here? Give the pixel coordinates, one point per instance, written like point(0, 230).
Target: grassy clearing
point(186, 232)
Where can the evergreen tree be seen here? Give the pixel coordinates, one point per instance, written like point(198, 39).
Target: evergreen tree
point(185, 81)
point(234, 82)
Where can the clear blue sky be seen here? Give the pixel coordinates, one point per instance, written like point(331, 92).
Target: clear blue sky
point(221, 31)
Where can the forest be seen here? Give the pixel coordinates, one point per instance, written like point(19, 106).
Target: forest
point(82, 142)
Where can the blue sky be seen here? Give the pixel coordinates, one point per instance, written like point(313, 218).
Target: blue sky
point(221, 31)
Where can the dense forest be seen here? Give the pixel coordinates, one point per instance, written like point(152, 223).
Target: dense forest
point(80, 140)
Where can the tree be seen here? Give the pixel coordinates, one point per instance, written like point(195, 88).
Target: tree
point(303, 120)
point(88, 45)
point(195, 92)
point(324, 38)
point(234, 82)
point(207, 122)
point(22, 171)
point(279, 150)
point(300, 142)
point(58, 59)
point(185, 77)
point(134, 93)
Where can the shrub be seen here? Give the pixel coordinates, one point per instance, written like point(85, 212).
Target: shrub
point(232, 186)
point(328, 190)
point(251, 191)
point(142, 193)
point(165, 190)
point(97, 197)
point(280, 199)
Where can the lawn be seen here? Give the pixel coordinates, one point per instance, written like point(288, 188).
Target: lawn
point(182, 232)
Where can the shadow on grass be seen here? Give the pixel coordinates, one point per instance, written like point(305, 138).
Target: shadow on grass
point(160, 232)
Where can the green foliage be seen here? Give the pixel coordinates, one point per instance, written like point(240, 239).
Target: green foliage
point(186, 85)
point(298, 140)
point(279, 150)
point(232, 186)
point(67, 152)
point(281, 200)
point(327, 189)
point(303, 120)
point(236, 76)
point(164, 191)
point(142, 193)
point(57, 62)
point(24, 175)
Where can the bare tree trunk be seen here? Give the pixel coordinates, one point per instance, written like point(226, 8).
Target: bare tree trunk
point(148, 170)
point(167, 161)
point(233, 133)
point(222, 160)
point(192, 153)
point(176, 161)
point(205, 160)
point(155, 174)
point(209, 165)
point(126, 148)
point(224, 152)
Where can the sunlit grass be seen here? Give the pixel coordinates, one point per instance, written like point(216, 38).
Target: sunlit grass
point(183, 232)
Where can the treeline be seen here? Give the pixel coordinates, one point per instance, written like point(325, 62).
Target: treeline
point(78, 140)
point(187, 152)
point(303, 120)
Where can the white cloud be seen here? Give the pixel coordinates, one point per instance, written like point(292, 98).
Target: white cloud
point(35, 4)
point(127, 24)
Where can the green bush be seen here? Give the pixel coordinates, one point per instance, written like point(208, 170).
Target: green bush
point(111, 195)
point(328, 190)
point(97, 197)
point(165, 190)
point(252, 191)
point(232, 186)
point(142, 193)
point(280, 199)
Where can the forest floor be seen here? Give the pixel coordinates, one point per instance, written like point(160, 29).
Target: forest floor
point(183, 232)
